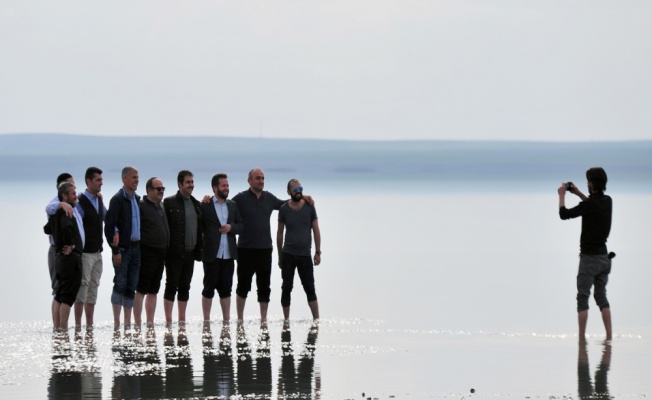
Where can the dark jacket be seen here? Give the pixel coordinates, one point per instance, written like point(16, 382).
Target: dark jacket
point(66, 232)
point(92, 224)
point(212, 235)
point(596, 222)
point(154, 230)
point(119, 216)
point(176, 214)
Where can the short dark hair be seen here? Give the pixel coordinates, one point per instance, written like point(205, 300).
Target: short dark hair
point(63, 189)
point(598, 178)
point(91, 172)
point(150, 183)
point(293, 180)
point(182, 175)
point(126, 170)
point(62, 178)
point(216, 179)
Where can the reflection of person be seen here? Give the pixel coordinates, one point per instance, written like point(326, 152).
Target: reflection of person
point(221, 222)
point(178, 365)
point(600, 388)
point(300, 219)
point(297, 381)
point(122, 231)
point(254, 376)
point(184, 219)
point(92, 211)
point(219, 380)
point(68, 245)
point(154, 240)
point(595, 263)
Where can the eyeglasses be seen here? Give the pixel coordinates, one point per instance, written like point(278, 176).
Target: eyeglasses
point(160, 189)
point(297, 189)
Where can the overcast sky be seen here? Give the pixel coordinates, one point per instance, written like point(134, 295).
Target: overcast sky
point(528, 70)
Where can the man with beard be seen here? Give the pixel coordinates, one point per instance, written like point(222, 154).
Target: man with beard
point(595, 261)
point(300, 218)
point(184, 219)
point(68, 246)
point(221, 221)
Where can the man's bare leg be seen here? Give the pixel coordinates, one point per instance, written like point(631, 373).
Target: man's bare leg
point(314, 308)
point(64, 315)
point(138, 307)
point(286, 313)
point(128, 311)
point(116, 315)
point(89, 309)
point(240, 305)
point(55, 313)
point(79, 310)
point(206, 305)
point(225, 304)
point(182, 310)
point(606, 319)
point(150, 307)
point(582, 317)
point(167, 307)
point(263, 311)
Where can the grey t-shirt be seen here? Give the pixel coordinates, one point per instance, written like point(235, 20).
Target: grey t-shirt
point(191, 224)
point(298, 228)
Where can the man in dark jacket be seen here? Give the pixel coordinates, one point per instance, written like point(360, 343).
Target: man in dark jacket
point(122, 231)
point(68, 246)
point(154, 240)
point(221, 221)
point(595, 262)
point(184, 219)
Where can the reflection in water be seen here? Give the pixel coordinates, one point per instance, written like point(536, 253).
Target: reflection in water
point(178, 366)
point(137, 365)
point(585, 388)
point(75, 371)
point(253, 379)
point(296, 381)
point(218, 363)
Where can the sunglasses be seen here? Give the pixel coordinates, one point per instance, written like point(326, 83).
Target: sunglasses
point(297, 189)
point(160, 189)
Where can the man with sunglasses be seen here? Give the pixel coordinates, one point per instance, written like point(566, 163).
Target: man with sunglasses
point(300, 219)
point(154, 241)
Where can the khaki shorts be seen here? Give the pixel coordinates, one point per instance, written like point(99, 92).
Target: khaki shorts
point(91, 274)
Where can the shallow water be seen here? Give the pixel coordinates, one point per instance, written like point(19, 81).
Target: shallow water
point(423, 295)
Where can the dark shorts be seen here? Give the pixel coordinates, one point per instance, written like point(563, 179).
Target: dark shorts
point(178, 275)
point(305, 269)
point(218, 275)
point(250, 262)
point(152, 264)
point(593, 272)
point(69, 275)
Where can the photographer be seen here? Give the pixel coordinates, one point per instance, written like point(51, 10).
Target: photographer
point(595, 262)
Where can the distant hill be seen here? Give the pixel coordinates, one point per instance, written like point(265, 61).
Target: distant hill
point(33, 156)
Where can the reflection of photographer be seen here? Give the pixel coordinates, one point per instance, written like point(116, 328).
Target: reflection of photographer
point(598, 389)
point(595, 262)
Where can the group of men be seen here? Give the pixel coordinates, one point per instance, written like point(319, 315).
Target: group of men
point(153, 234)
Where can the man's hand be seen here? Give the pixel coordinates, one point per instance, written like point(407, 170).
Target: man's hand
point(317, 259)
point(116, 240)
point(117, 260)
point(67, 208)
point(562, 189)
point(309, 199)
point(225, 228)
point(67, 250)
point(206, 199)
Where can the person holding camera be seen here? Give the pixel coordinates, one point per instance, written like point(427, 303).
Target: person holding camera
point(595, 261)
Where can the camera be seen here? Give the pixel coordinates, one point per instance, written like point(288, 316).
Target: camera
point(569, 186)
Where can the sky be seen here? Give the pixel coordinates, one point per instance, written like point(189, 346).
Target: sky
point(370, 69)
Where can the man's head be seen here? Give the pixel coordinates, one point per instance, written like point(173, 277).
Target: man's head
point(155, 189)
point(295, 190)
point(94, 180)
point(597, 179)
point(64, 177)
point(220, 185)
point(130, 179)
point(186, 183)
point(256, 180)
point(67, 193)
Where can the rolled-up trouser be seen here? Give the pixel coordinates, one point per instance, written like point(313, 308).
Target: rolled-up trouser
point(593, 271)
point(126, 277)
